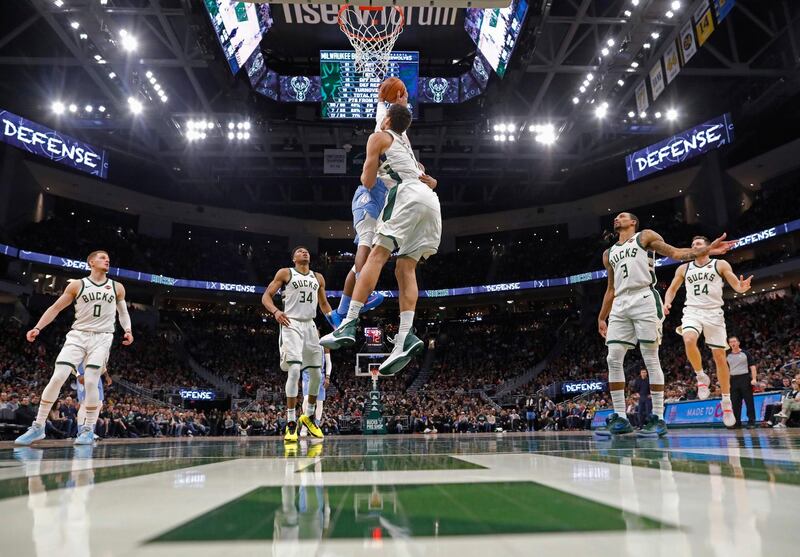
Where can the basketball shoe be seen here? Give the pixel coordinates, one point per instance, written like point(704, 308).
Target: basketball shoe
point(312, 428)
point(402, 353)
point(291, 432)
point(341, 337)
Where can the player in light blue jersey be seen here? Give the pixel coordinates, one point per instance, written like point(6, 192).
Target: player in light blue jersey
point(326, 369)
point(81, 390)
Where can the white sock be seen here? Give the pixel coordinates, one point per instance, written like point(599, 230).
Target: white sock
point(406, 321)
point(354, 310)
point(318, 413)
point(291, 415)
point(699, 373)
point(658, 403)
point(618, 401)
point(82, 414)
point(726, 397)
point(310, 409)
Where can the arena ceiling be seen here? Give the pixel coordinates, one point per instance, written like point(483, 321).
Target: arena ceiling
point(748, 66)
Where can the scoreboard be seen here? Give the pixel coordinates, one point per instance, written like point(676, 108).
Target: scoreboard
point(348, 94)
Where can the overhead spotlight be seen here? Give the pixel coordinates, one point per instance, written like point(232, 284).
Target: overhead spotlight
point(239, 135)
point(510, 138)
point(546, 134)
point(111, 75)
point(73, 108)
point(635, 2)
point(627, 13)
point(240, 125)
point(57, 107)
point(657, 115)
point(582, 89)
point(83, 36)
point(502, 137)
point(152, 81)
point(247, 125)
point(510, 127)
point(655, 35)
point(646, 46)
point(620, 82)
point(634, 64)
point(148, 74)
point(210, 125)
point(601, 111)
point(231, 125)
point(74, 24)
point(585, 82)
point(669, 14)
point(135, 105)
point(676, 5)
point(610, 42)
point(101, 108)
point(575, 100)
point(129, 42)
point(231, 135)
point(501, 128)
point(103, 2)
point(98, 57)
point(58, 3)
point(631, 114)
point(643, 114)
point(164, 99)
point(496, 137)
point(672, 114)
point(203, 135)
point(604, 51)
point(88, 108)
point(590, 76)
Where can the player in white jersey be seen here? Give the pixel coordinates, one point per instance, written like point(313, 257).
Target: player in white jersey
point(634, 312)
point(703, 314)
point(411, 223)
point(303, 291)
point(98, 300)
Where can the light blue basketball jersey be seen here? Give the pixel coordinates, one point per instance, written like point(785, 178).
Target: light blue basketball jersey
point(82, 390)
point(369, 202)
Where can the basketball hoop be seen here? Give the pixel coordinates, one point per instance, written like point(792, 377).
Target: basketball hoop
point(374, 372)
point(372, 31)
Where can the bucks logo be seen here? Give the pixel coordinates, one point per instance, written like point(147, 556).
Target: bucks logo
point(438, 86)
point(300, 84)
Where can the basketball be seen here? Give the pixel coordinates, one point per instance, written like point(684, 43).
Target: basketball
point(391, 89)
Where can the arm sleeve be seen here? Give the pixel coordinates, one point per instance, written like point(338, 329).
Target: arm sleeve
point(328, 365)
point(124, 317)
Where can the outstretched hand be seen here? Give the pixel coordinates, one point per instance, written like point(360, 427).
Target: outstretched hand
point(744, 284)
point(720, 246)
point(32, 334)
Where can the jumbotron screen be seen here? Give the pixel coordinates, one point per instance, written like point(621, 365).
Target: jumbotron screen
point(347, 94)
point(496, 32)
point(239, 27)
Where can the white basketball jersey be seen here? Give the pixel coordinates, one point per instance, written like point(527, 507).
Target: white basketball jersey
point(96, 307)
point(703, 286)
point(634, 267)
point(300, 295)
point(400, 164)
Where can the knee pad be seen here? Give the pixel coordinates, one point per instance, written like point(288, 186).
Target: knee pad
point(652, 363)
point(91, 382)
point(292, 380)
point(314, 379)
point(615, 359)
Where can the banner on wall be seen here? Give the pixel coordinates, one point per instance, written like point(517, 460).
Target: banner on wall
point(335, 161)
point(704, 23)
point(722, 8)
point(641, 97)
point(671, 63)
point(657, 80)
point(687, 42)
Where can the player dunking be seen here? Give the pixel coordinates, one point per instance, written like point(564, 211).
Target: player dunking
point(98, 300)
point(410, 223)
point(327, 368)
point(298, 340)
point(635, 314)
point(703, 314)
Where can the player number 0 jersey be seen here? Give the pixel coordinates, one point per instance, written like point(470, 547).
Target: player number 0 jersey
point(633, 266)
point(300, 295)
point(703, 286)
point(96, 307)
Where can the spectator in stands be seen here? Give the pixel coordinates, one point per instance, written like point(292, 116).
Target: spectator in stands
point(790, 403)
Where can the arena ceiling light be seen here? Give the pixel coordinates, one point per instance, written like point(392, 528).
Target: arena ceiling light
point(58, 107)
point(646, 46)
point(620, 82)
point(676, 5)
point(73, 108)
point(635, 2)
point(672, 114)
point(101, 108)
point(74, 24)
point(128, 41)
point(657, 114)
point(543, 133)
point(89, 108)
point(604, 51)
point(135, 105)
point(669, 14)
point(631, 114)
point(655, 35)
point(601, 110)
point(575, 100)
point(58, 3)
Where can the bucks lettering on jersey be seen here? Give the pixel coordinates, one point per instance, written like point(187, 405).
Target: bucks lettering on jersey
point(96, 307)
point(634, 266)
point(300, 295)
point(703, 286)
point(400, 164)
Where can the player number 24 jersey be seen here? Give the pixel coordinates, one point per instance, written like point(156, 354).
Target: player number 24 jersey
point(703, 286)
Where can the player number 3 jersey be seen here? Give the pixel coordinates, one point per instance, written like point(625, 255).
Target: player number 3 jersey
point(703, 286)
point(300, 295)
point(633, 266)
point(96, 307)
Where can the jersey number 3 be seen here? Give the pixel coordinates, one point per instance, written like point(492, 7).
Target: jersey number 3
point(306, 298)
point(624, 270)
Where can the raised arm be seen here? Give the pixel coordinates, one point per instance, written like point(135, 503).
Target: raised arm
point(281, 278)
point(608, 298)
point(70, 293)
point(652, 240)
point(122, 314)
point(739, 284)
point(377, 143)
point(677, 282)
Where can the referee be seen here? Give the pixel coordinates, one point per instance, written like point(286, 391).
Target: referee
point(743, 377)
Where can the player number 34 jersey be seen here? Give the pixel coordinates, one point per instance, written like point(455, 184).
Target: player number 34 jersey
point(703, 286)
point(300, 295)
point(634, 266)
point(96, 307)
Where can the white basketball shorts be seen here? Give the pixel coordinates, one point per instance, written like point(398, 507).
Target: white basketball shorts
point(89, 349)
point(411, 221)
point(636, 317)
point(707, 322)
point(299, 344)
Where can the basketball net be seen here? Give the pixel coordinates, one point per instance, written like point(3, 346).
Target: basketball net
point(372, 32)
